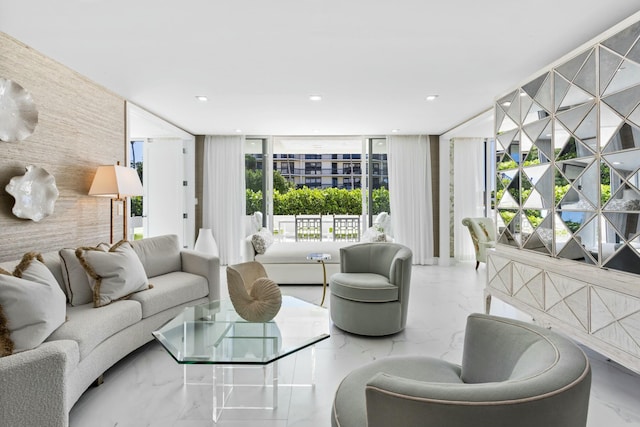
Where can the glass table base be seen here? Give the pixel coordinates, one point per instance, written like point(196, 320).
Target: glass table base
point(246, 387)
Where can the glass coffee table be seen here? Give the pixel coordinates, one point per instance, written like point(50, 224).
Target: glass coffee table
point(214, 334)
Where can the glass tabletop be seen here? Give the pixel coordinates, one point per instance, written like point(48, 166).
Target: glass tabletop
point(213, 333)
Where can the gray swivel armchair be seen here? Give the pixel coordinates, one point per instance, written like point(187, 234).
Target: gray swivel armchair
point(370, 295)
point(512, 374)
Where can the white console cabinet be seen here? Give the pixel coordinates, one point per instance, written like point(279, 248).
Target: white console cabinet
point(597, 307)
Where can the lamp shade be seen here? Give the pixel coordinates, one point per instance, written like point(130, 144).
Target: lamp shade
point(115, 181)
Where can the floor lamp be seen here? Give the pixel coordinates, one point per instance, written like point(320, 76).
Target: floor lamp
point(116, 182)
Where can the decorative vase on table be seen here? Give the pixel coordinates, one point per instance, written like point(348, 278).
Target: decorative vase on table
point(206, 243)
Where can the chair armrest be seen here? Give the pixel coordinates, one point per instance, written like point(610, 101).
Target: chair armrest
point(429, 404)
point(34, 385)
point(247, 251)
point(436, 404)
point(203, 265)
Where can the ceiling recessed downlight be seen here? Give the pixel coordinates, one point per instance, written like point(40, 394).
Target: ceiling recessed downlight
point(395, 130)
point(431, 97)
point(202, 98)
point(315, 98)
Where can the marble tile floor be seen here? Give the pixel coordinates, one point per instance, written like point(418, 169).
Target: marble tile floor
point(145, 388)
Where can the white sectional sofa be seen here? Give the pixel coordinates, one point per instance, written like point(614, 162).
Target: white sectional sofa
point(286, 263)
point(40, 386)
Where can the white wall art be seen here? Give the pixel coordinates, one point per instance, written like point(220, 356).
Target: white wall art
point(35, 193)
point(18, 112)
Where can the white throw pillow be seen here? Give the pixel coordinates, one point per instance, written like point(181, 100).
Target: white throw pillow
point(262, 240)
point(75, 277)
point(113, 275)
point(33, 305)
point(373, 234)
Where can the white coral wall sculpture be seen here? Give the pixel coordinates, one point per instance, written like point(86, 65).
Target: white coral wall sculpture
point(35, 193)
point(18, 112)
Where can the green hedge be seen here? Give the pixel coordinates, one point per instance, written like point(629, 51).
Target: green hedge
point(316, 201)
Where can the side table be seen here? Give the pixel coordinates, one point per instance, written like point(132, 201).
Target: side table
point(321, 258)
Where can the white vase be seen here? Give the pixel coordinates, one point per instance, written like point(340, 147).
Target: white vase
point(206, 243)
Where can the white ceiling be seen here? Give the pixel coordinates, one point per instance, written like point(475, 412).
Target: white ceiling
point(373, 61)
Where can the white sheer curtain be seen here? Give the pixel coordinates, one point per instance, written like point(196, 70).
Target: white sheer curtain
point(468, 189)
point(409, 162)
point(223, 193)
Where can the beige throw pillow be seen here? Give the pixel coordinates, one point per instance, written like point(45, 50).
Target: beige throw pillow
point(75, 277)
point(32, 305)
point(113, 275)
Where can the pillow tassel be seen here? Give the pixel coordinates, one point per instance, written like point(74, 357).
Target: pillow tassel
point(6, 345)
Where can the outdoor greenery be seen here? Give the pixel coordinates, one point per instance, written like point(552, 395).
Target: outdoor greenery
point(288, 200)
point(318, 201)
point(136, 201)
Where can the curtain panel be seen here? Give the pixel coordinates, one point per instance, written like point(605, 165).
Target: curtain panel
point(223, 208)
point(410, 195)
point(468, 190)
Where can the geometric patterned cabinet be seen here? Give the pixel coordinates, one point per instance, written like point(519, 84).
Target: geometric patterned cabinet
point(596, 307)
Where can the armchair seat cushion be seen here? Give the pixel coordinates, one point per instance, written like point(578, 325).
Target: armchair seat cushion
point(363, 287)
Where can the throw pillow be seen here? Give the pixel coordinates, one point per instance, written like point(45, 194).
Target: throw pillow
point(374, 234)
point(262, 240)
point(75, 277)
point(113, 275)
point(32, 305)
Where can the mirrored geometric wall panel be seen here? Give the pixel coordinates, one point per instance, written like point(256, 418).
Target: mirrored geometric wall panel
point(568, 158)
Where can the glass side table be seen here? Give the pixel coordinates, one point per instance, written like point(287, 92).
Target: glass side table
point(321, 258)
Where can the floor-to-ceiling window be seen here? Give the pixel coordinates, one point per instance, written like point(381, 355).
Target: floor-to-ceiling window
point(325, 177)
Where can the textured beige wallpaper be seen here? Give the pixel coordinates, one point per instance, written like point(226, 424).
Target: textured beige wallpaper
point(81, 125)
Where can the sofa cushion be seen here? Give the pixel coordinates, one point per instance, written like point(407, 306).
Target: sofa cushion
point(89, 326)
point(159, 255)
point(33, 305)
point(115, 274)
point(171, 290)
point(74, 276)
point(365, 287)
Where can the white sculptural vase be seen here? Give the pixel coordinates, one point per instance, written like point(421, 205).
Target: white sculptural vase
point(206, 243)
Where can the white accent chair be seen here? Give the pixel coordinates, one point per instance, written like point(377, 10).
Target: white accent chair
point(483, 234)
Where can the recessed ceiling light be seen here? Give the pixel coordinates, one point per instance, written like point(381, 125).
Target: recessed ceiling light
point(315, 98)
point(395, 130)
point(238, 130)
point(431, 97)
point(202, 98)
